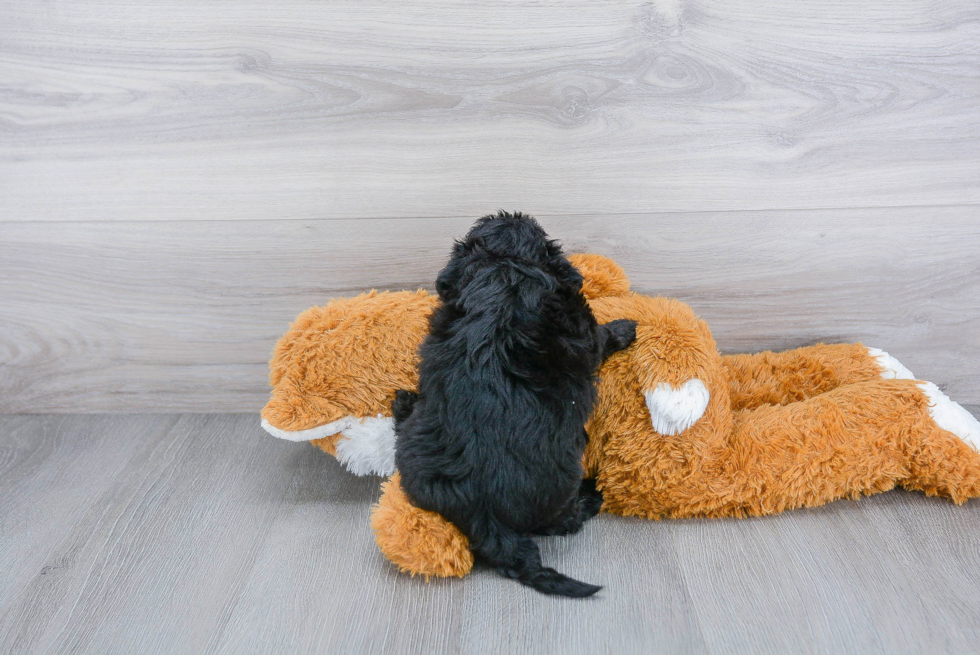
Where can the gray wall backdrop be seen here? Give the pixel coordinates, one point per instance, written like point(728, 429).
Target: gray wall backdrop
point(178, 179)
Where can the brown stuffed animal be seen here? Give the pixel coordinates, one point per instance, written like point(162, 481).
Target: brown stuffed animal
point(335, 372)
point(678, 431)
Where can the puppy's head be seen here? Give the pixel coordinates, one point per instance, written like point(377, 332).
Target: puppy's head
point(504, 235)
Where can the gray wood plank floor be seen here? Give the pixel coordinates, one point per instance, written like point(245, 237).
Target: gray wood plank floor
point(200, 534)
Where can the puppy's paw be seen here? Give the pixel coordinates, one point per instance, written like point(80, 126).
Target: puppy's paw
point(591, 498)
point(675, 409)
point(403, 404)
point(587, 503)
point(619, 335)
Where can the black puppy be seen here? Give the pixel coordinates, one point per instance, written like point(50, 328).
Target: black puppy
point(494, 439)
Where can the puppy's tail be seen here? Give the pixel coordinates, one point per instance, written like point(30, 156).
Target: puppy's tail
point(517, 557)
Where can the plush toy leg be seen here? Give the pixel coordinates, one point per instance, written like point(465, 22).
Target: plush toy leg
point(937, 466)
point(770, 378)
point(418, 541)
point(858, 439)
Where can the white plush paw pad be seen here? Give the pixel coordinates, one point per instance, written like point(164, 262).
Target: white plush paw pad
point(891, 368)
point(951, 416)
point(366, 447)
point(675, 409)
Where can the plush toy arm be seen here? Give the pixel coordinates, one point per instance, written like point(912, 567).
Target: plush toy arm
point(674, 358)
point(675, 361)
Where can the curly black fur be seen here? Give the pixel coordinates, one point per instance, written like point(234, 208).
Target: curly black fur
point(494, 438)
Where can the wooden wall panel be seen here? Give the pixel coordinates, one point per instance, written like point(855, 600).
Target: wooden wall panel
point(182, 315)
point(178, 179)
point(187, 110)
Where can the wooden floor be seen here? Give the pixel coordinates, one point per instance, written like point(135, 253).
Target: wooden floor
point(201, 534)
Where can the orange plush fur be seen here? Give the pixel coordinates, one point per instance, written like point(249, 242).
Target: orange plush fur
point(423, 543)
point(779, 430)
point(347, 358)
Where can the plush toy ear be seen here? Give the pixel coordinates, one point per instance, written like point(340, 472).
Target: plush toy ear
point(602, 276)
point(418, 541)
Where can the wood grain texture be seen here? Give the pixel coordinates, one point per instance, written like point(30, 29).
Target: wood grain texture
point(183, 315)
point(202, 534)
point(191, 504)
point(46, 483)
point(182, 110)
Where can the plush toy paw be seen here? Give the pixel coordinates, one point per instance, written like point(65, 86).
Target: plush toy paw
point(951, 416)
point(891, 368)
point(675, 409)
point(364, 446)
point(367, 446)
point(418, 541)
